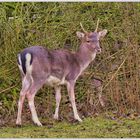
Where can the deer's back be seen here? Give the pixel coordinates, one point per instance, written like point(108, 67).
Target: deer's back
point(59, 63)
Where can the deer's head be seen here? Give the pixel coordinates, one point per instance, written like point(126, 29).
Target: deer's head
point(91, 39)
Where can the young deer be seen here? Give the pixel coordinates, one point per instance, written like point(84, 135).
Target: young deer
point(39, 66)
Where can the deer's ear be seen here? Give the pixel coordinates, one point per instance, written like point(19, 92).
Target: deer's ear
point(102, 33)
point(80, 35)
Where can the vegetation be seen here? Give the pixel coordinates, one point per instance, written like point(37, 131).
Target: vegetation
point(98, 127)
point(54, 25)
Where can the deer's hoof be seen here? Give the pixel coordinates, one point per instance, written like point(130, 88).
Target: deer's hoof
point(38, 124)
point(55, 117)
point(78, 119)
point(18, 123)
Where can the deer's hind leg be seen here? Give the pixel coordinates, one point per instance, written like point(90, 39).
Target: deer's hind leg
point(26, 82)
point(30, 96)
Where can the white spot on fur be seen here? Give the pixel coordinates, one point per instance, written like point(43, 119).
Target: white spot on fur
point(93, 56)
point(20, 68)
point(28, 59)
point(28, 66)
point(20, 64)
point(19, 59)
point(52, 80)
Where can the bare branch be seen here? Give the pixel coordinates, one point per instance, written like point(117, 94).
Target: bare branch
point(97, 25)
point(83, 28)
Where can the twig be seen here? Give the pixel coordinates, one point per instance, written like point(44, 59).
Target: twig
point(116, 72)
point(8, 89)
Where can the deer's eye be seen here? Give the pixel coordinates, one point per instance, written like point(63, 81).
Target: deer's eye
point(88, 41)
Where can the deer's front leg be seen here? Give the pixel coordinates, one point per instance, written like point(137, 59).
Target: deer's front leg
point(70, 88)
point(58, 99)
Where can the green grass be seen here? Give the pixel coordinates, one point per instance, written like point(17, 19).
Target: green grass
point(90, 128)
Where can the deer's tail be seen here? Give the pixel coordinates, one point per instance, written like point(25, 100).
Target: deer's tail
point(25, 60)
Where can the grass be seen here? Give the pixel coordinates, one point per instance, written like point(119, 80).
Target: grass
point(99, 127)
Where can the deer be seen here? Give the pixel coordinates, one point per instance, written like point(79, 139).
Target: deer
point(40, 66)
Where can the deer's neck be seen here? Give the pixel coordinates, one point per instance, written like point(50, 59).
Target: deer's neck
point(85, 56)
